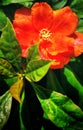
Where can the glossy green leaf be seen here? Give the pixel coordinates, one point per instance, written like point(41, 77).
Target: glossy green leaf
point(6, 2)
point(77, 6)
point(3, 20)
point(5, 108)
point(59, 108)
point(1, 54)
point(80, 26)
point(6, 68)
point(27, 3)
point(53, 83)
point(11, 80)
point(9, 45)
point(30, 109)
point(57, 4)
point(22, 127)
point(36, 69)
point(33, 53)
point(77, 64)
point(73, 80)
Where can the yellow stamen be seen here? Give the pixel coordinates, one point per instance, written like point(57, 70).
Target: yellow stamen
point(45, 34)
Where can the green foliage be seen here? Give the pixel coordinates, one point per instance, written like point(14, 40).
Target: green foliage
point(9, 45)
point(76, 5)
point(5, 108)
point(59, 108)
point(74, 81)
point(80, 26)
point(10, 80)
point(58, 4)
point(3, 20)
point(6, 68)
point(33, 53)
point(52, 103)
point(20, 110)
point(53, 84)
point(7, 2)
point(37, 69)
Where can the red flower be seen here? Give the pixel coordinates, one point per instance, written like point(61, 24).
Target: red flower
point(53, 30)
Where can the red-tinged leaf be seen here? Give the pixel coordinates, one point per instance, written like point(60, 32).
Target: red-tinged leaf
point(16, 89)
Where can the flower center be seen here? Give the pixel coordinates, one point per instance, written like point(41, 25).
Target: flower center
point(45, 34)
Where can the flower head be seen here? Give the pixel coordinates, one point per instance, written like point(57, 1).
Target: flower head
point(53, 30)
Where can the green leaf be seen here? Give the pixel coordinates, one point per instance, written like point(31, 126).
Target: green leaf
point(80, 26)
point(53, 83)
point(9, 45)
point(3, 20)
point(36, 69)
point(5, 108)
point(59, 108)
point(77, 64)
point(33, 53)
point(73, 80)
point(58, 4)
point(11, 80)
point(30, 109)
point(77, 6)
point(22, 126)
point(6, 68)
point(27, 3)
point(7, 2)
point(1, 54)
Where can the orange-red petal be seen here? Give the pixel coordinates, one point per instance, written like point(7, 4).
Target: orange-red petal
point(60, 61)
point(62, 43)
point(23, 18)
point(42, 15)
point(58, 44)
point(25, 32)
point(65, 21)
point(60, 50)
